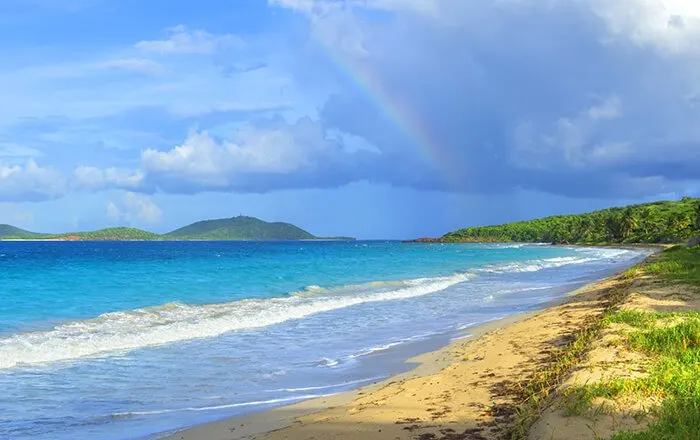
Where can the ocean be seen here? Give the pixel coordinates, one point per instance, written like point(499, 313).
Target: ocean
point(130, 340)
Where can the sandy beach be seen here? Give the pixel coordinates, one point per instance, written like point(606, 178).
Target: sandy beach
point(467, 390)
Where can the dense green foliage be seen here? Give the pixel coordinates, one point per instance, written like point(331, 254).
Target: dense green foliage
point(658, 222)
point(240, 228)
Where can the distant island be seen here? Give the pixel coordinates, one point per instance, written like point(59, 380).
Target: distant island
point(647, 223)
point(226, 229)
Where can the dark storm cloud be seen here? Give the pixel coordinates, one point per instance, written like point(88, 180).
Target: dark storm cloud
point(604, 115)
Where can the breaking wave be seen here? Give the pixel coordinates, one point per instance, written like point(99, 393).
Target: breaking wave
point(175, 322)
point(122, 331)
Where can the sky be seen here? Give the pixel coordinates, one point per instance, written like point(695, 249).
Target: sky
point(370, 118)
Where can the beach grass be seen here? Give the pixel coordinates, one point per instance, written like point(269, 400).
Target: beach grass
point(673, 378)
point(671, 341)
point(677, 264)
point(543, 383)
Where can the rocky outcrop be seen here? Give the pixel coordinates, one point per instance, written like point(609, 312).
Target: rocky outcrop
point(426, 240)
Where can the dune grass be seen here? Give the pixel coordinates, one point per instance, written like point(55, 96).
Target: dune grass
point(674, 376)
point(672, 342)
point(538, 389)
point(678, 264)
point(545, 381)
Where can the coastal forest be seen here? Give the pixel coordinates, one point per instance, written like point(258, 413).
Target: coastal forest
point(657, 222)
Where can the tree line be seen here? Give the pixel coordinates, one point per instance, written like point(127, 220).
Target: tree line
point(657, 222)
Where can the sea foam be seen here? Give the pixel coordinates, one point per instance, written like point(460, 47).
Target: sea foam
point(174, 322)
point(119, 332)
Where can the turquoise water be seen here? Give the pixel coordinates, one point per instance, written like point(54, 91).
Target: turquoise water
point(122, 340)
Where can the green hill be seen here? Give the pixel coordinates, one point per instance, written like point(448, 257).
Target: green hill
point(657, 222)
point(11, 232)
point(113, 234)
point(239, 228)
point(236, 228)
point(7, 231)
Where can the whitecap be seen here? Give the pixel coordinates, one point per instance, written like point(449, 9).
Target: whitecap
point(118, 332)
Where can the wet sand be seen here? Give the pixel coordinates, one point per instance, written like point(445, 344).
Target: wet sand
point(466, 390)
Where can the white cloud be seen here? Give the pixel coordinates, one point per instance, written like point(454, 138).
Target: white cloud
point(609, 109)
point(184, 41)
point(93, 178)
point(430, 7)
point(137, 65)
point(30, 182)
point(269, 155)
point(214, 163)
point(460, 85)
point(134, 208)
point(672, 26)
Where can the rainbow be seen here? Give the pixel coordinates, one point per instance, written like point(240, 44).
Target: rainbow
point(395, 109)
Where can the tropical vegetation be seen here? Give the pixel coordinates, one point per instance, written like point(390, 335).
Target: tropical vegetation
point(657, 222)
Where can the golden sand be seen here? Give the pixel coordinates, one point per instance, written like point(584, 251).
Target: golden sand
point(468, 390)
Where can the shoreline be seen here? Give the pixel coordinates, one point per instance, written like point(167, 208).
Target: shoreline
point(269, 420)
point(293, 421)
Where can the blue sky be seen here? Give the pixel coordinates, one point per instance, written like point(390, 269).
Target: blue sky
point(373, 118)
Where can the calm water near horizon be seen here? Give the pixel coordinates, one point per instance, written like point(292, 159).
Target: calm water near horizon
point(127, 340)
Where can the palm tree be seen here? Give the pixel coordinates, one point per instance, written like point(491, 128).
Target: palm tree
point(614, 226)
point(645, 220)
point(677, 222)
point(628, 222)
